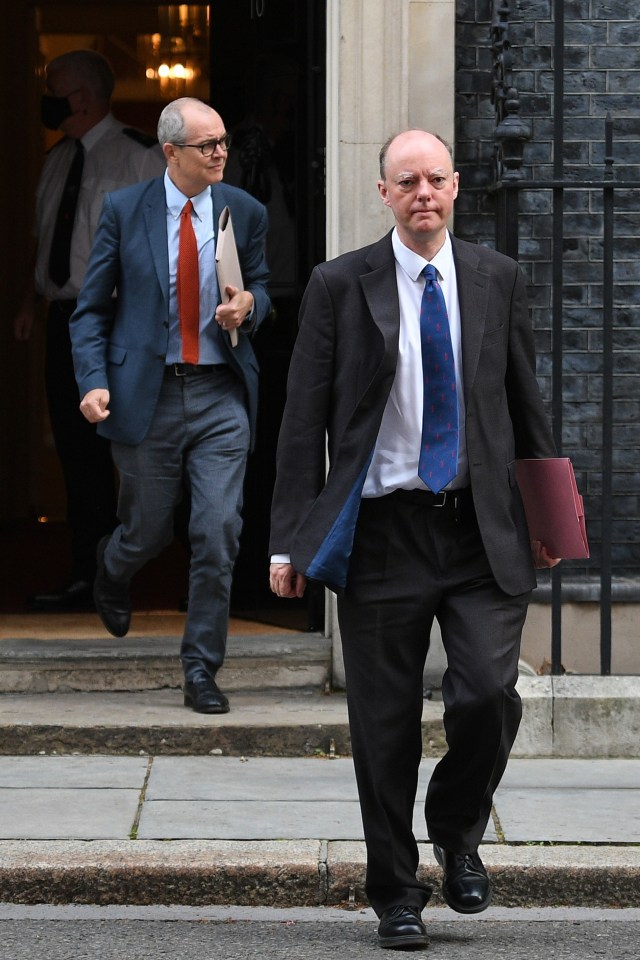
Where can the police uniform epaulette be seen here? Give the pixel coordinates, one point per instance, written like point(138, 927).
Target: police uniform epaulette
point(144, 139)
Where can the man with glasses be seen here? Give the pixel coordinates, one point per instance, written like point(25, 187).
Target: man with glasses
point(159, 373)
point(96, 154)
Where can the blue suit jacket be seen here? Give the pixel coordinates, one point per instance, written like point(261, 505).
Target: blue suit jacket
point(121, 343)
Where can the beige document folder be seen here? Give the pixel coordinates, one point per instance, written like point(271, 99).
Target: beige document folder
point(227, 262)
point(553, 506)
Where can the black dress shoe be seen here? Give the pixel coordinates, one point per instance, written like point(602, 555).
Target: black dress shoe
point(203, 696)
point(465, 886)
point(402, 929)
point(110, 597)
point(74, 597)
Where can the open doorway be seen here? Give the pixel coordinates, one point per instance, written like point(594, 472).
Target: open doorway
point(261, 64)
point(268, 83)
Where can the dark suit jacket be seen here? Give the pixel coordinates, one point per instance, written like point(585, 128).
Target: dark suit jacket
point(341, 374)
point(121, 344)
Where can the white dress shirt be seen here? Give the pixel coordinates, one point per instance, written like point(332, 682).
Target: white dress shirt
point(112, 159)
point(395, 459)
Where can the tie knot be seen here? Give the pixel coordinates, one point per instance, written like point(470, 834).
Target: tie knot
point(429, 273)
point(187, 209)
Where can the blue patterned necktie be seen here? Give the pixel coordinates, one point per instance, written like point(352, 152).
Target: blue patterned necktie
point(438, 462)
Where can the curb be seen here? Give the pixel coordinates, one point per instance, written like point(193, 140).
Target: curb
point(270, 740)
point(294, 873)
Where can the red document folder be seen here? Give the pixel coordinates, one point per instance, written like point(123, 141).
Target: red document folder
point(553, 506)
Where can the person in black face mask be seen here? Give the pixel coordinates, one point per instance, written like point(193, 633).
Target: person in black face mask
point(96, 155)
point(55, 110)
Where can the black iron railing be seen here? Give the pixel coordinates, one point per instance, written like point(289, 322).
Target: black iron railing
point(511, 136)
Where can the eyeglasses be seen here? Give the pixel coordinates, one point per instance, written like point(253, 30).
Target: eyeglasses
point(208, 148)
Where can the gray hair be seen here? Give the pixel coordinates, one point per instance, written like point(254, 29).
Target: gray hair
point(171, 125)
point(385, 149)
point(91, 70)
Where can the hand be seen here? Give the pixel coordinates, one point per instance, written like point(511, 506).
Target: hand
point(541, 557)
point(232, 314)
point(24, 320)
point(93, 405)
point(285, 582)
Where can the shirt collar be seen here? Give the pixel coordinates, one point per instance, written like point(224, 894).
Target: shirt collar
point(413, 264)
point(96, 133)
point(176, 199)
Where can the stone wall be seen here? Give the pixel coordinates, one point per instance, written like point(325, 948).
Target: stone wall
point(602, 74)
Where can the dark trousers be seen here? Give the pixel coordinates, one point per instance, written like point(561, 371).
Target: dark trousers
point(84, 456)
point(412, 562)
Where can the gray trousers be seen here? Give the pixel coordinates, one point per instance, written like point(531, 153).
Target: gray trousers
point(199, 437)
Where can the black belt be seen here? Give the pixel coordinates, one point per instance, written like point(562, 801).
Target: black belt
point(187, 369)
point(456, 503)
point(426, 498)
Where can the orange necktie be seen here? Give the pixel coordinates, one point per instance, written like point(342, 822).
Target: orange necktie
point(188, 285)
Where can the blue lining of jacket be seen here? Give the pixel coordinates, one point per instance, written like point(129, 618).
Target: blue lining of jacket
point(331, 562)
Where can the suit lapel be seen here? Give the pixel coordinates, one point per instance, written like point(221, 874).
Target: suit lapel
point(155, 215)
point(472, 296)
point(381, 293)
point(331, 561)
point(218, 201)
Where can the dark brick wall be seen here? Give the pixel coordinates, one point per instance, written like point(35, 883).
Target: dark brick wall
point(602, 73)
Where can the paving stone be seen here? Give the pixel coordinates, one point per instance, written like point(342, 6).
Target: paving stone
point(67, 814)
point(250, 820)
point(569, 815)
point(73, 772)
point(255, 778)
point(572, 773)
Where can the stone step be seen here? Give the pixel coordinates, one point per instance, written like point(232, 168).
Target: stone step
point(255, 662)
point(155, 722)
point(589, 717)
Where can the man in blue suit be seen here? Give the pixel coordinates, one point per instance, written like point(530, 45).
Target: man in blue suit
point(178, 406)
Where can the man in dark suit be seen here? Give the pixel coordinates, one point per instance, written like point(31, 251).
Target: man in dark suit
point(158, 371)
point(402, 541)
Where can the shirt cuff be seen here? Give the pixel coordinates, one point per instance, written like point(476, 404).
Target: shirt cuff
point(249, 321)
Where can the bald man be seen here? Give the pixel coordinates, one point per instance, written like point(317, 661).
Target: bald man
point(178, 403)
point(418, 517)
